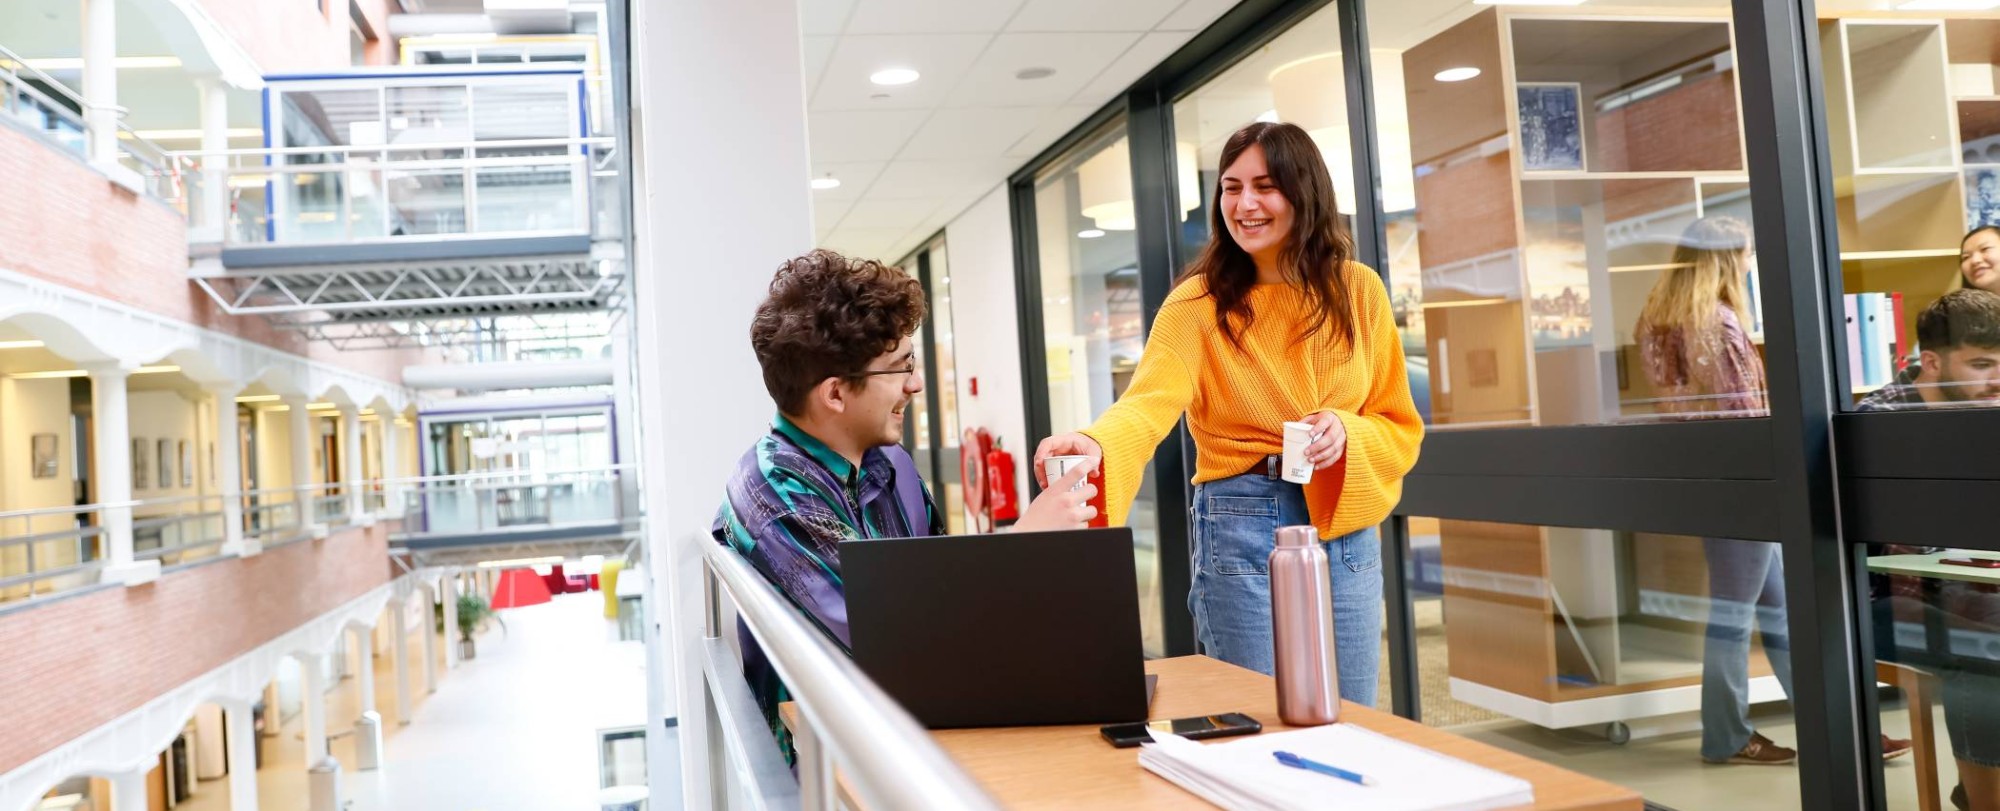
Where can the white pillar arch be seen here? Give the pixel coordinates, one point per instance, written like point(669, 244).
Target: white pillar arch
point(229, 471)
point(100, 80)
point(399, 655)
point(300, 425)
point(755, 164)
point(313, 666)
point(111, 455)
point(392, 465)
point(213, 216)
point(430, 640)
point(449, 583)
point(128, 791)
point(350, 462)
point(240, 738)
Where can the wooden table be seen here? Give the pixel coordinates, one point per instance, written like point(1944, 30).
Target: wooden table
point(1071, 767)
point(1928, 566)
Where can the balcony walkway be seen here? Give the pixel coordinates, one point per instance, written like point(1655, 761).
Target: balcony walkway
point(515, 728)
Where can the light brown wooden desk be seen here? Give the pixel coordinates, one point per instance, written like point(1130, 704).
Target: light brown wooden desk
point(1071, 767)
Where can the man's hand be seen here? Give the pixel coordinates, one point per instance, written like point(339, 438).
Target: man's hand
point(1071, 444)
point(1060, 507)
point(1332, 439)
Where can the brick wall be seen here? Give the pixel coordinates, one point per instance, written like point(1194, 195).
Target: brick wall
point(83, 232)
point(75, 664)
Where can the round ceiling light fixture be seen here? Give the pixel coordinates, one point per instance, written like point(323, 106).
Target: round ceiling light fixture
point(891, 77)
point(824, 183)
point(1456, 74)
point(1089, 233)
point(1031, 74)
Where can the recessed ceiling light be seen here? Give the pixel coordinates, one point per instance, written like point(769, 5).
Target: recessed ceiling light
point(891, 77)
point(1089, 233)
point(1030, 74)
point(1456, 74)
point(828, 182)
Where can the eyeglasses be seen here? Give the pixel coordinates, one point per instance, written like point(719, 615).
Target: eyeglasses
point(910, 369)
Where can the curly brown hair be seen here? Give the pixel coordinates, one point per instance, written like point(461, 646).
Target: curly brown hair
point(828, 316)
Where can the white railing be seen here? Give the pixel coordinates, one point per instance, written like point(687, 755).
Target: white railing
point(272, 513)
point(512, 500)
point(49, 550)
point(324, 195)
point(848, 724)
point(55, 117)
point(179, 530)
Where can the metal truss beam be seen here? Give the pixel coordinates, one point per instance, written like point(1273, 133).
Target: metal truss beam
point(483, 286)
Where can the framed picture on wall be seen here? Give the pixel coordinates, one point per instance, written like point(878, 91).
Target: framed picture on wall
point(166, 460)
point(1551, 126)
point(42, 449)
point(141, 463)
point(1982, 196)
point(187, 463)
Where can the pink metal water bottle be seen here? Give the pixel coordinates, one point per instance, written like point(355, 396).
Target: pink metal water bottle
point(1302, 629)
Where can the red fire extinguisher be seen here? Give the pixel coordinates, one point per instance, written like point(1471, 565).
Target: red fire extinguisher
point(1002, 497)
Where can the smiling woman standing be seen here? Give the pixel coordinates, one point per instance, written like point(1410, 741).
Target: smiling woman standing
point(1271, 324)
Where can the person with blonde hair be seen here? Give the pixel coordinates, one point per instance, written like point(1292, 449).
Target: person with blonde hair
point(1694, 348)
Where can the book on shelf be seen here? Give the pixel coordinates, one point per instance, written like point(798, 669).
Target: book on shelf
point(1850, 305)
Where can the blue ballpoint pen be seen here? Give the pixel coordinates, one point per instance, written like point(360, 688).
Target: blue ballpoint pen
point(1297, 762)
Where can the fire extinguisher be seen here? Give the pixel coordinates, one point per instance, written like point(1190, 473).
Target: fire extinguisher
point(1001, 495)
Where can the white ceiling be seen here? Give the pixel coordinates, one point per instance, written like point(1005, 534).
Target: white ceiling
point(913, 159)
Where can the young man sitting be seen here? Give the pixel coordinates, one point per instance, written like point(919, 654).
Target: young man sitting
point(833, 338)
point(1959, 336)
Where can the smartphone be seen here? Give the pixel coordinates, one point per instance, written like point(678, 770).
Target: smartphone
point(1125, 736)
point(1979, 563)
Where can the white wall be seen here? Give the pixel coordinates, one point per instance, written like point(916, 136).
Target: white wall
point(157, 415)
point(27, 408)
point(986, 328)
point(274, 448)
point(721, 127)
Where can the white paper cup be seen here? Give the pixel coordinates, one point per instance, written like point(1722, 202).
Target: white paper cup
point(1295, 468)
point(1056, 467)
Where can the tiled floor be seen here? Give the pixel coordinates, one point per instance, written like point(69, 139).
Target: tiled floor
point(515, 728)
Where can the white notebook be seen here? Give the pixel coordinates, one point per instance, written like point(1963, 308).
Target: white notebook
point(1243, 775)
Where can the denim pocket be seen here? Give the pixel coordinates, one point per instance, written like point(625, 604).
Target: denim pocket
point(1361, 550)
point(1238, 533)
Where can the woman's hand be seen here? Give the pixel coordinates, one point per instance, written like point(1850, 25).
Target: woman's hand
point(1060, 506)
point(1331, 443)
point(1070, 444)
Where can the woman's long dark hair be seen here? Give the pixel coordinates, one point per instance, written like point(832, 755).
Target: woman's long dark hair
point(1315, 253)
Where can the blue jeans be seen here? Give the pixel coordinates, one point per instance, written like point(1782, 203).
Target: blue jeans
point(1746, 589)
point(1236, 525)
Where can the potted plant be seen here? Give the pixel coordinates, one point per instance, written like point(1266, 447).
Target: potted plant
point(472, 609)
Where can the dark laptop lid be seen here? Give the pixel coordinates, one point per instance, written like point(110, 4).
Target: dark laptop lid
point(1010, 629)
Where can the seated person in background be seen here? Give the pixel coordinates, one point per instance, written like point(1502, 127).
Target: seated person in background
point(1959, 337)
point(833, 338)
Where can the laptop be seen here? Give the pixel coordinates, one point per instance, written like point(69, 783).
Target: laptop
point(1009, 629)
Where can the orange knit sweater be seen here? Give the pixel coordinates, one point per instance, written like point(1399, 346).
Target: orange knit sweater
point(1237, 401)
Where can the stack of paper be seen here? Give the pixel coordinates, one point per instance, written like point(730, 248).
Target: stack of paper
point(1243, 775)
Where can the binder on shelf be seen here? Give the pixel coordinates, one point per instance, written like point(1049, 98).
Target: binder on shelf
point(1849, 303)
point(1874, 362)
point(1904, 352)
point(1891, 335)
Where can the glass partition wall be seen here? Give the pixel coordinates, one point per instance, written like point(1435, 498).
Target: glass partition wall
point(1656, 511)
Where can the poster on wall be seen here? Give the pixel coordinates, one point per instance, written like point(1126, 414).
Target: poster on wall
point(42, 448)
point(140, 463)
point(1982, 196)
point(166, 460)
point(1551, 126)
point(187, 463)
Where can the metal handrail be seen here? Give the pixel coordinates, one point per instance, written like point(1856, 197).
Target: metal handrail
point(127, 144)
point(280, 151)
point(498, 474)
point(883, 753)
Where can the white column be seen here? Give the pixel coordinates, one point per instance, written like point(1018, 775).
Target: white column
point(314, 705)
point(350, 462)
point(111, 445)
point(757, 164)
point(241, 738)
point(364, 680)
point(430, 642)
point(100, 80)
point(214, 210)
point(392, 464)
point(229, 472)
point(128, 791)
point(449, 582)
point(399, 653)
point(300, 425)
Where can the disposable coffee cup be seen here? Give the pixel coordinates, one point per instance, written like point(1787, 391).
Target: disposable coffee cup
point(1056, 467)
point(1295, 467)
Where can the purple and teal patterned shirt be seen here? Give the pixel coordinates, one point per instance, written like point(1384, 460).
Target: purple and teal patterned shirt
point(788, 506)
